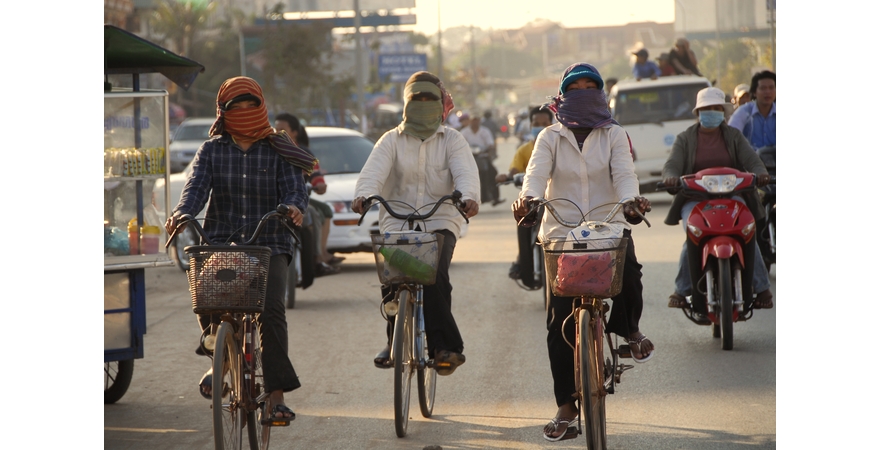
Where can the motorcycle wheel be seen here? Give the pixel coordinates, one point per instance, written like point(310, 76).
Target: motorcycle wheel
point(725, 292)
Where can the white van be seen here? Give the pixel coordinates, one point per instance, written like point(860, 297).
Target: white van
point(653, 113)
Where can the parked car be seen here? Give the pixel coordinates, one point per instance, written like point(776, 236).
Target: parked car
point(186, 140)
point(326, 117)
point(654, 112)
point(385, 117)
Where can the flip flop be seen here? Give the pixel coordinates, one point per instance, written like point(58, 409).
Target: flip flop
point(275, 421)
point(206, 382)
point(570, 432)
point(638, 343)
point(677, 301)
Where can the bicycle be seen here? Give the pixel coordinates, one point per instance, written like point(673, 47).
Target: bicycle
point(596, 248)
point(230, 280)
point(408, 259)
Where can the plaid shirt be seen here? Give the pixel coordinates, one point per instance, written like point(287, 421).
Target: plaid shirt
point(243, 186)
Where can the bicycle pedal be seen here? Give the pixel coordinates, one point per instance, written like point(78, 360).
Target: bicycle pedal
point(624, 351)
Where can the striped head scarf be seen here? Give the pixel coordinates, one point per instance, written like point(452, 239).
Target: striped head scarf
point(252, 124)
point(581, 108)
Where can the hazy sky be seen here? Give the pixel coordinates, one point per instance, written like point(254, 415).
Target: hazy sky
point(516, 13)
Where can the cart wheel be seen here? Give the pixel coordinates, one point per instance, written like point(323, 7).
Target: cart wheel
point(117, 377)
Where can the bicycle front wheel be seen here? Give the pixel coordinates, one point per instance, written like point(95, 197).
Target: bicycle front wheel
point(592, 372)
point(427, 376)
point(226, 391)
point(401, 354)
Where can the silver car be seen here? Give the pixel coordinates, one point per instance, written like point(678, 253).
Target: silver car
point(187, 139)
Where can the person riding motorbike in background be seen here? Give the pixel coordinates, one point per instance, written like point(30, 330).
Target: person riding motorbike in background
point(712, 143)
point(540, 118)
point(479, 136)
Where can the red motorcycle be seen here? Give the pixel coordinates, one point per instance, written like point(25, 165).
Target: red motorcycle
point(721, 242)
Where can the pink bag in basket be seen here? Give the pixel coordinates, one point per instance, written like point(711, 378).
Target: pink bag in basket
point(584, 274)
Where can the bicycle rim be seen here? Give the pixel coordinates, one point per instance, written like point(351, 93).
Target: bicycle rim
point(401, 354)
point(226, 391)
point(592, 370)
point(427, 376)
point(257, 434)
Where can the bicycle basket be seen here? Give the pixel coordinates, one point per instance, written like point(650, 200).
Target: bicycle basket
point(407, 257)
point(227, 278)
point(591, 267)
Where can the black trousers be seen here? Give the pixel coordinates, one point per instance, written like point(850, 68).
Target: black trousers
point(626, 311)
point(278, 372)
point(488, 187)
point(440, 326)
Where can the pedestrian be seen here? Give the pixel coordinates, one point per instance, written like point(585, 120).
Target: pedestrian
point(585, 158)
point(418, 162)
point(666, 68)
point(246, 169)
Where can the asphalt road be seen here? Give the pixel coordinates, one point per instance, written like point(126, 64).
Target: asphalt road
point(691, 395)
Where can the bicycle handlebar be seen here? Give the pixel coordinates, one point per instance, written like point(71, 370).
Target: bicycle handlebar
point(539, 201)
point(413, 216)
point(281, 212)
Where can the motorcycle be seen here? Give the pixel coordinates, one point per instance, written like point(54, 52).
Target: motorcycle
point(530, 275)
point(767, 234)
point(720, 237)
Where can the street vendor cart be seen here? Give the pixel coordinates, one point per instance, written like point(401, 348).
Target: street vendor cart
point(135, 158)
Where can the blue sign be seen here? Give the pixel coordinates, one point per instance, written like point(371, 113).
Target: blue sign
point(401, 66)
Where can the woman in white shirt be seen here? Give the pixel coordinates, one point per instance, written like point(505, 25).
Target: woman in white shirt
point(586, 158)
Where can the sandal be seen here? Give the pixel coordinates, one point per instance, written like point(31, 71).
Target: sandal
point(383, 358)
point(570, 430)
point(764, 300)
point(206, 383)
point(677, 301)
point(635, 346)
point(446, 361)
point(275, 421)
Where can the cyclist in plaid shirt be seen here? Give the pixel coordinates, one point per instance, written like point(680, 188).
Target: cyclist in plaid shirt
point(248, 168)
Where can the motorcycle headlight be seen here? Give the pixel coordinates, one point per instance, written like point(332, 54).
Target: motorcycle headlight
point(719, 184)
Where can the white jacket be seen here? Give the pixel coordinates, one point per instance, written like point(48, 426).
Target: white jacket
point(598, 177)
point(403, 167)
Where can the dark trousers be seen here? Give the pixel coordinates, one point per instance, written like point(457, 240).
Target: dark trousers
point(278, 371)
point(526, 258)
point(488, 187)
point(626, 310)
point(440, 326)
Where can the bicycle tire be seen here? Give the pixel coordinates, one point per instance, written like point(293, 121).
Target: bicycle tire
point(426, 376)
point(258, 434)
point(401, 354)
point(226, 391)
point(725, 291)
point(592, 371)
point(117, 378)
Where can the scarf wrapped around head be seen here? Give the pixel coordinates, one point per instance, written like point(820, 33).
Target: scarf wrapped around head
point(581, 108)
point(422, 118)
point(252, 124)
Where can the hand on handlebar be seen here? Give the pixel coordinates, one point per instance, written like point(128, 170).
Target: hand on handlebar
point(763, 180)
point(521, 206)
point(357, 205)
point(643, 205)
point(671, 181)
point(470, 208)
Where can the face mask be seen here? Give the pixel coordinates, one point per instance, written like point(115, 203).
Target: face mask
point(535, 131)
point(711, 119)
point(421, 119)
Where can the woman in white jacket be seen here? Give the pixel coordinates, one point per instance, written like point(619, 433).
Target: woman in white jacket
point(586, 158)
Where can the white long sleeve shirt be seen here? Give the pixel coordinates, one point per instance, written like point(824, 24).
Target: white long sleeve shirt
point(403, 167)
point(598, 177)
point(482, 138)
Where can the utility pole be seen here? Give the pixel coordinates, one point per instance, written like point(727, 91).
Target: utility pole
point(359, 66)
point(475, 88)
point(439, 45)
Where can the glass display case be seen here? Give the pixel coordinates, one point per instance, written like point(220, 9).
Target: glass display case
point(135, 158)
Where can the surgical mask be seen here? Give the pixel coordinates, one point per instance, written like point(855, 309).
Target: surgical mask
point(535, 132)
point(711, 119)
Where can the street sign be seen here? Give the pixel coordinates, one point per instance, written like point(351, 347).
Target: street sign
point(400, 66)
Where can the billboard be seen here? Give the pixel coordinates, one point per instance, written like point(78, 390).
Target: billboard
point(347, 5)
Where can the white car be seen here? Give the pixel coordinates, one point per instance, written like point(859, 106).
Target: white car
point(654, 112)
point(186, 140)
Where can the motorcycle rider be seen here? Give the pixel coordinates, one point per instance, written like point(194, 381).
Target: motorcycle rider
point(712, 143)
point(540, 118)
point(477, 135)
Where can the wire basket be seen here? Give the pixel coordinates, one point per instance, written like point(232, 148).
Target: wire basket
point(227, 278)
point(407, 256)
point(589, 268)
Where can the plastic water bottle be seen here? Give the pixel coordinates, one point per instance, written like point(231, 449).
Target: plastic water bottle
point(408, 264)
